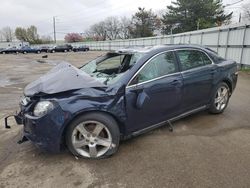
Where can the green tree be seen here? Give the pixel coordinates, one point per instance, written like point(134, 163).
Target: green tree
point(32, 35)
point(28, 35)
point(21, 34)
point(144, 23)
point(186, 15)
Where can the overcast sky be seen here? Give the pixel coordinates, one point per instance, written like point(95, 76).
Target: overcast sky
point(75, 15)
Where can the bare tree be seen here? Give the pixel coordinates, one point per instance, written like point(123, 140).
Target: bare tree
point(98, 31)
point(112, 25)
point(109, 29)
point(7, 34)
point(1, 36)
point(246, 12)
point(46, 39)
point(125, 24)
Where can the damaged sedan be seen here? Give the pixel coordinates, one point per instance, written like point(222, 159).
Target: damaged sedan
point(122, 94)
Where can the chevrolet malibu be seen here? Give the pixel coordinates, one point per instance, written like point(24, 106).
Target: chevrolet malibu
point(122, 94)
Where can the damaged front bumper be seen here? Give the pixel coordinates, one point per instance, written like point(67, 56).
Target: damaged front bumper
point(45, 132)
point(18, 118)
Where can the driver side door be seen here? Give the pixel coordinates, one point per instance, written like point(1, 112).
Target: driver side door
point(155, 93)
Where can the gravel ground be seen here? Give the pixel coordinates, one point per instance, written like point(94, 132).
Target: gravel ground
point(203, 151)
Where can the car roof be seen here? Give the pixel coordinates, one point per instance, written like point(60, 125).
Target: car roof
point(141, 49)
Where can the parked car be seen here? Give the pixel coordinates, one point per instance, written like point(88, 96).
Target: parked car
point(80, 49)
point(28, 49)
point(123, 94)
point(61, 48)
point(45, 49)
point(11, 50)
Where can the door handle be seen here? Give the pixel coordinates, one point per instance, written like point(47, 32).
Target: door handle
point(175, 82)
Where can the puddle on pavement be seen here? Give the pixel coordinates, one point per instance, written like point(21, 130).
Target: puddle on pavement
point(6, 82)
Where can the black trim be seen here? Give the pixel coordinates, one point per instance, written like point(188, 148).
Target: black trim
point(139, 132)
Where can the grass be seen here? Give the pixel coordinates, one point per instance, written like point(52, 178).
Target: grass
point(246, 69)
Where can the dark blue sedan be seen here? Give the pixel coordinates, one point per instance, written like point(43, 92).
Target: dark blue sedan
point(123, 94)
point(28, 49)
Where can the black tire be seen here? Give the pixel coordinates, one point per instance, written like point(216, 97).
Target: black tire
point(214, 106)
point(38, 52)
point(104, 119)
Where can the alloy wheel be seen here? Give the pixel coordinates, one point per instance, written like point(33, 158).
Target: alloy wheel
point(91, 139)
point(221, 98)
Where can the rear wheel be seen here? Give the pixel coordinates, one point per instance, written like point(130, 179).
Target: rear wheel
point(38, 52)
point(24, 52)
point(94, 135)
point(220, 99)
point(65, 50)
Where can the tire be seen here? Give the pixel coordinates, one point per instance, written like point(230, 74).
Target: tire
point(53, 51)
point(65, 50)
point(24, 52)
point(3, 53)
point(38, 52)
point(220, 99)
point(93, 130)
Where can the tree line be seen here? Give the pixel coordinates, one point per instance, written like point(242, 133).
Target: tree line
point(29, 34)
point(180, 16)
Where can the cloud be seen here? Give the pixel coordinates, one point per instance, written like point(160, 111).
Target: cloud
point(71, 16)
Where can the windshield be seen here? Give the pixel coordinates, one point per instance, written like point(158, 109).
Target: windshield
point(108, 69)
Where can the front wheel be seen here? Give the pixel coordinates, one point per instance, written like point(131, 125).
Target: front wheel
point(220, 99)
point(94, 135)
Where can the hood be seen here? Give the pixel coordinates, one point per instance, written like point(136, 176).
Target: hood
point(63, 77)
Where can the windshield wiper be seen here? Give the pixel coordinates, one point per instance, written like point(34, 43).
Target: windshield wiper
point(109, 77)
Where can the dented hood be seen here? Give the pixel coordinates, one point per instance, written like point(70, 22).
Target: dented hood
point(63, 77)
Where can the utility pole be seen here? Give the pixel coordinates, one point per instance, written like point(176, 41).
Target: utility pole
point(54, 27)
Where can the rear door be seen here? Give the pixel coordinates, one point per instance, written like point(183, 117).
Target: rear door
point(198, 73)
point(154, 94)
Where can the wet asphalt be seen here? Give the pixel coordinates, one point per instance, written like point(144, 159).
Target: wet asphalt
point(204, 150)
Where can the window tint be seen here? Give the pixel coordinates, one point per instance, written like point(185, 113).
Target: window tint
point(192, 58)
point(161, 65)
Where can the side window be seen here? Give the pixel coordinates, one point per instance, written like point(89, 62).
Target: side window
point(161, 65)
point(192, 58)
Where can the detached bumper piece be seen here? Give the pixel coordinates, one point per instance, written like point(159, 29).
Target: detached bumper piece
point(19, 121)
point(18, 118)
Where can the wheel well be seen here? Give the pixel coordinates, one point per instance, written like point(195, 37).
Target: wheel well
point(120, 124)
point(228, 84)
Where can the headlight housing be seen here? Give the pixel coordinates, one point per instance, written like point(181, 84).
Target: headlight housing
point(42, 108)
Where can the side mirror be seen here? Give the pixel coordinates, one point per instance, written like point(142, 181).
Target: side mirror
point(142, 99)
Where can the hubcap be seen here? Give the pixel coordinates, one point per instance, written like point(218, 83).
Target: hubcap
point(221, 98)
point(91, 139)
